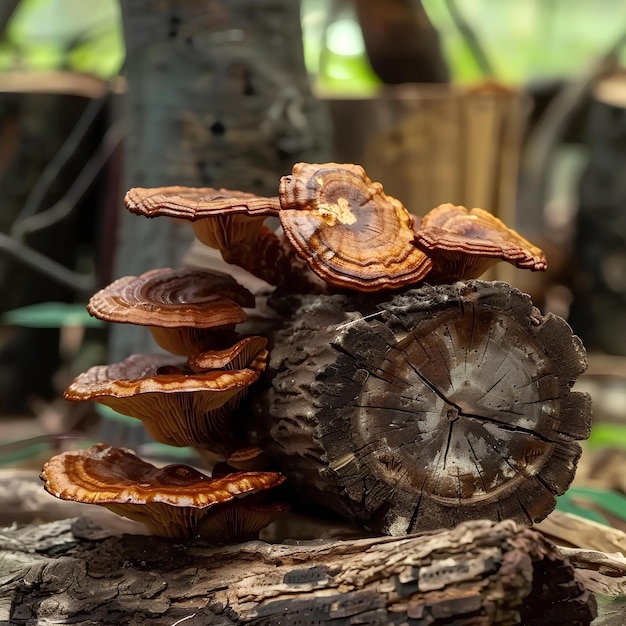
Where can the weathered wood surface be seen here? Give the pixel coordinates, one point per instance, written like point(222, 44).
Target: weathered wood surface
point(477, 574)
point(438, 405)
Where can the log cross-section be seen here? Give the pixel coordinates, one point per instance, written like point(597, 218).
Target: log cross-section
point(439, 405)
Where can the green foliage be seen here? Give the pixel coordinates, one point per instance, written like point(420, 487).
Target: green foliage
point(529, 40)
point(76, 35)
point(524, 41)
point(605, 435)
point(334, 50)
point(611, 610)
point(50, 315)
point(25, 450)
point(594, 504)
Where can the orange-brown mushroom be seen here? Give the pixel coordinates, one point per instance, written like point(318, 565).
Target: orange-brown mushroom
point(239, 520)
point(173, 501)
point(176, 405)
point(250, 459)
point(349, 232)
point(232, 222)
point(246, 459)
point(220, 217)
point(463, 244)
point(233, 357)
point(181, 307)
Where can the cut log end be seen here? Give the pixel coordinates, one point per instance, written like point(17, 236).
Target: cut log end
point(441, 405)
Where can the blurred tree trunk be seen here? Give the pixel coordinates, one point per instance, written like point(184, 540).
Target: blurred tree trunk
point(217, 96)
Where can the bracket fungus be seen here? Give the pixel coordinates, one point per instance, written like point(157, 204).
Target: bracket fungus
point(238, 354)
point(345, 229)
point(415, 398)
point(464, 244)
point(178, 406)
point(349, 232)
point(220, 218)
point(232, 222)
point(250, 459)
point(172, 501)
point(181, 307)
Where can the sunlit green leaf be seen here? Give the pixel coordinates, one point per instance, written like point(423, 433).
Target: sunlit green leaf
point(591, 502)
point(44, 35)
point(50, 315)
point(610, 501)
point(607, 435)
point(567, 504)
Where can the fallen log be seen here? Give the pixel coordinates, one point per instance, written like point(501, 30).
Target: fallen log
point(425, 409)
point(479, 573)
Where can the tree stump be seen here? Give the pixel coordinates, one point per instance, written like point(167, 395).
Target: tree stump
point(478, 574)
point(438, 405)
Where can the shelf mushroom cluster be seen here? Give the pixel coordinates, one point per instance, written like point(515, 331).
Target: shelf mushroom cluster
point(184, 398)
point(344, 228)
point(340, 231)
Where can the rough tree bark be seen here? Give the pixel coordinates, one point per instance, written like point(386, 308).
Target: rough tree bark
point(438, 405)
point(477, 574)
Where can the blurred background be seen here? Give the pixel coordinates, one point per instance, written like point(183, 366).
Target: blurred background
point(515, 107)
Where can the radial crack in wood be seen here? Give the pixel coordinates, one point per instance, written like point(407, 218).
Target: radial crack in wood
point(439, 405)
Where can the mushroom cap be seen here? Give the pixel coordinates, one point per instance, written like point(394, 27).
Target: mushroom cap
point(464, 243)
point(177, 406)
point(348, 230)
point(170, 500)
point(194, 203)
point(172, 298)
point(220, 217)
point(179, 306)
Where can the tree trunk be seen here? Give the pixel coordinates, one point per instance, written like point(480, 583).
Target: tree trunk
point(438, 405)
point(477, 574)
point(217, 96)
point(598, 248)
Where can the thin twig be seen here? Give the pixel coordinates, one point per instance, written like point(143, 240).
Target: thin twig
point(45, 265)
point(7, 9)
point(54, 167)
point(183, 619)
point(471, 39)
point(51, 440)
point(112, 139)
point(550, 128)
point(360, 319)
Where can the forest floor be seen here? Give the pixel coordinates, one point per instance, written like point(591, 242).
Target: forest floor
point(590, 517)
